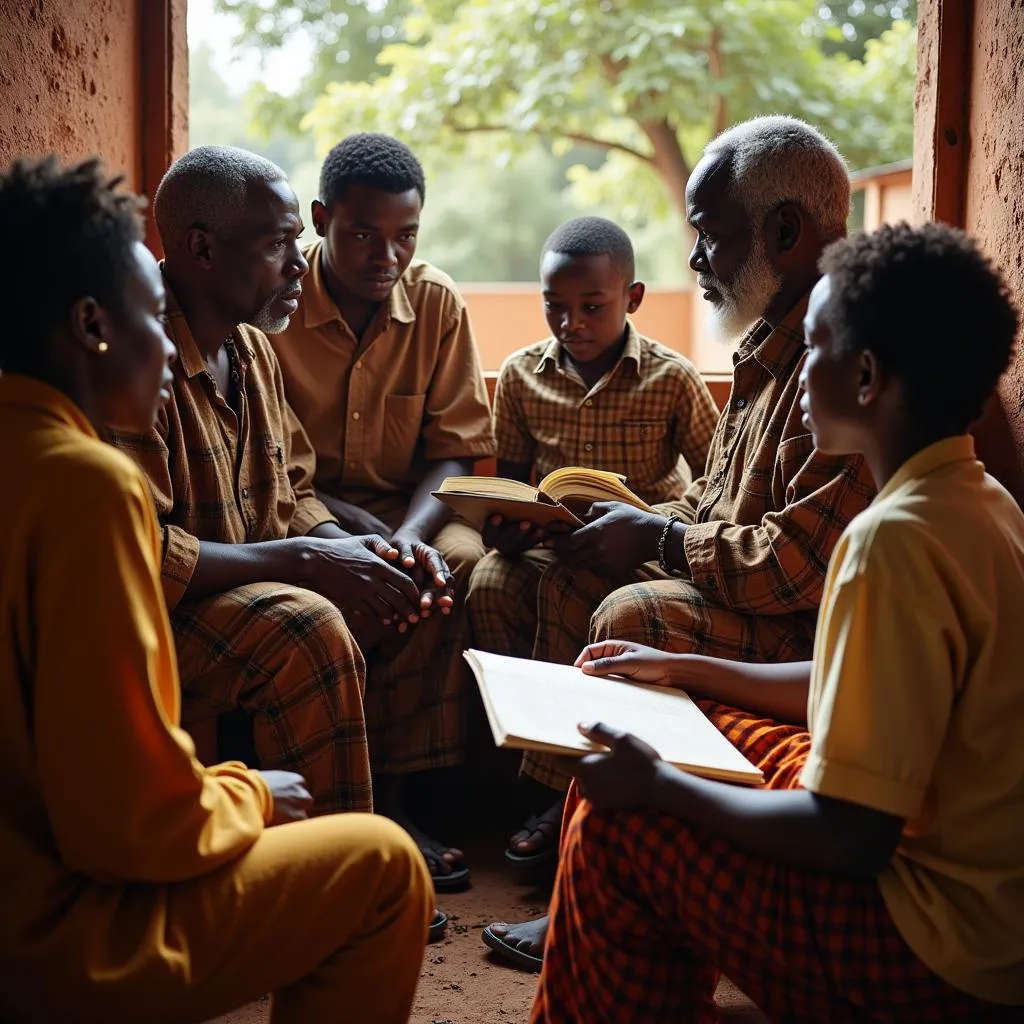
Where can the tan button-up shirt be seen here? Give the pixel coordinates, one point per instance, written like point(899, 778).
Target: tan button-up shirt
point(770, 507)
point(217, 476)
point(651, 408)
point(410, 392)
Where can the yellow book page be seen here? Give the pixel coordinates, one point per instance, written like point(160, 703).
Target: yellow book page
point(489, 487)
point(573, 484)
point(535, 703)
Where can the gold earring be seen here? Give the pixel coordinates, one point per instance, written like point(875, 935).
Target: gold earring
point(102, 347)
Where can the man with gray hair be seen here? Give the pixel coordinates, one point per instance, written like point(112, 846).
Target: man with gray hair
point(736, 568)
point(264, 588)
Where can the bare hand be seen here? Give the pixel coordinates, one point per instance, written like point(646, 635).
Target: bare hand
point(509, 537)
point(291, 797)
point(627, 659)
point(429, 570)
point(615, 537)
point(623, 777)
point(359, 575)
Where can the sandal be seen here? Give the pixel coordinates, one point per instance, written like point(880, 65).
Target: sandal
point(455, 881)
point(548, 852)
point(438, 924)
point(522, 960)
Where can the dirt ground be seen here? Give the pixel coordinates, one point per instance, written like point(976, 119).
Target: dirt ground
point(462, 981)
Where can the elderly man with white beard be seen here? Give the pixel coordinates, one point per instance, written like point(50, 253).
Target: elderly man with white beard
point(736, 568)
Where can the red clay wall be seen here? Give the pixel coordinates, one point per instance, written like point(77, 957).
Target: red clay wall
point(69, 77)
point(994, 209)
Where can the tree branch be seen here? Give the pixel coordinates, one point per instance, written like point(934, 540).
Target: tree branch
point(716, 69)
point(582, 139)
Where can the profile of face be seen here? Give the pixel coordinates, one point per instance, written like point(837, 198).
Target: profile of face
point(369, 238)
point(130, 377)
point(730, 255)
point(586, 300)
point(257, 265)
point(837, 385)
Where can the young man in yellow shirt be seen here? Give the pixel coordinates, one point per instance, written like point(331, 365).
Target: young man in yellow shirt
point(136, 883)
point(381, 368)
point(881, 877)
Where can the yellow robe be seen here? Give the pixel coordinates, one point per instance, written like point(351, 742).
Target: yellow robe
point(136, 884)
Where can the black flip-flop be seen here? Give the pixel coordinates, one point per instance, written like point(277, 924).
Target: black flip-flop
point(546, 854)
point(438, 924)
point(524, 961)
point(455, 881)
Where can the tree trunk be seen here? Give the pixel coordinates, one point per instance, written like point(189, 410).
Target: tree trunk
point(672, 168)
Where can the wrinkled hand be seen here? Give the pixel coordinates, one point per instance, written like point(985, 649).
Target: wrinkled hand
point(627, 659)
point(623, 777)
point(615, 537)
point(428, 570)
point(359, 575)
point(509, 537)
point(291, 797)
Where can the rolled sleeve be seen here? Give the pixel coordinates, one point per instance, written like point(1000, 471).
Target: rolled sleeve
point(180, 557)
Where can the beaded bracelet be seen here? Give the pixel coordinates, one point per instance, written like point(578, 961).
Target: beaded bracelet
point(662, 541)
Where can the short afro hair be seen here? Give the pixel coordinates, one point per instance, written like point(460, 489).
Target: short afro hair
point(75, 231)
point(593, 236)
point(208, 188)
point(932, 308)
point(370, 158)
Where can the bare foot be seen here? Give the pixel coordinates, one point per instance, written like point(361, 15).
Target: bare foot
point(539, 832)
point(441, 859)
point(527, 937)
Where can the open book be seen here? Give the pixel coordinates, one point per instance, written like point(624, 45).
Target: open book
point(535, 705)
point(562, 496)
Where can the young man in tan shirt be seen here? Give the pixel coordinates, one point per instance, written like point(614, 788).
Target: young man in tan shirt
point(381, 368)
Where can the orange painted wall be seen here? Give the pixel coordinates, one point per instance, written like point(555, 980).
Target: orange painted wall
point(69, 76)
point(509, 316)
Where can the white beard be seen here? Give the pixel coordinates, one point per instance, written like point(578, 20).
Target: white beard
point(746, 299)
point(264, 322)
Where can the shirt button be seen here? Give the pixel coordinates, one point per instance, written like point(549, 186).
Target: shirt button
point(352, 465)
point(355, 415)
point(359, 365)
point(588, 447)
point(245, 492)
point(589, 402)
point(741, 403)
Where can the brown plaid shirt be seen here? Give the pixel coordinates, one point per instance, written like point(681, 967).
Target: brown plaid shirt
point(770, 507)
point(649, 409)
point(218, 477)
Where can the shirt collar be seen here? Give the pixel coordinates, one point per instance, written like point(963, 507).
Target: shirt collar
point(190, 359)
point(553, 352)
point(16, 389)
point(959, 448)
point(318, 308)
point(773, 347)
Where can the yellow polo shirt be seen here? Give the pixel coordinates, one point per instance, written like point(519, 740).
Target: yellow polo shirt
point(916, 708)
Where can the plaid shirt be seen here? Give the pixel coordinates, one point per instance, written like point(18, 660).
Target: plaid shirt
point(218, 477)
point(649, 409)
point(770, 507)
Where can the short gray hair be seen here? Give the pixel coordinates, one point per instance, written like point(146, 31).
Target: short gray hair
point(778, 159)
point(208, 188)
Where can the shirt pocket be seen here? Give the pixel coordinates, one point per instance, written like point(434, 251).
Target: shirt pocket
point(642, 450)
point(280, 496)
point(400, 439)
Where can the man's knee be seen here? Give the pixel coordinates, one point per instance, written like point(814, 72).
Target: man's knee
point(640, 613)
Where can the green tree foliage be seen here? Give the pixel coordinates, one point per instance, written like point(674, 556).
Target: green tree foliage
point(857, 21)
point(348, 35)
point(647, 82)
